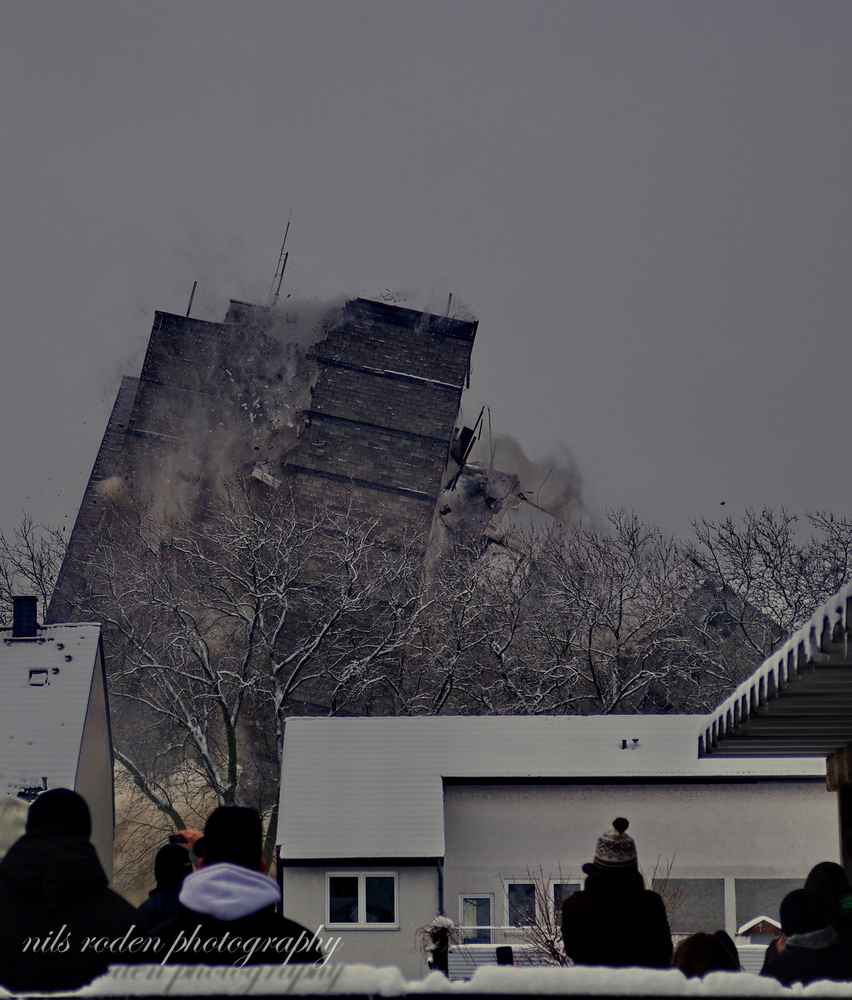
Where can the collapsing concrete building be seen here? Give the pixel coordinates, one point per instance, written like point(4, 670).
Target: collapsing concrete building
point(354, 405)
point(384, 409)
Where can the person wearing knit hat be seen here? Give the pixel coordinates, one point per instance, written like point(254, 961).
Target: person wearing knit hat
point(615, 852)
point(615, 920)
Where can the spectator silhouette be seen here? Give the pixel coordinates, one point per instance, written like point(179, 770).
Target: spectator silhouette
point(54, 895)
point(728, 942)
point(615, 920)
point(702, 953)
point(230, 900)
point(171, 866)
point(829, 880)
point(808, 948)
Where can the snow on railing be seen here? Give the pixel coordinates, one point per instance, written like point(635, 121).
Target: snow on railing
point(369, 982)
point(827, 632)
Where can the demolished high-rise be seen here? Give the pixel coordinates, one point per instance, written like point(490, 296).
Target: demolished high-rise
point(355, 404)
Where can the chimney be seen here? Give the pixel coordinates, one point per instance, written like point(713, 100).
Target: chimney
point(24, 612)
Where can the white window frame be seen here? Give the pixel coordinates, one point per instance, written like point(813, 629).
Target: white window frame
point(554, 882)
point(476, 895)
point(362, 924)
point(506, 885)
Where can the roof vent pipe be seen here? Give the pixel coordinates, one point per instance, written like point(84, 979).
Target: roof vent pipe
point(24, 612)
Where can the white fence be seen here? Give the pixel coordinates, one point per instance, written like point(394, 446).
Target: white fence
point(465, 958)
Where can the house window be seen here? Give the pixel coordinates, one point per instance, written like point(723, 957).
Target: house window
point(560, 891)
point(476, 919)
point(521, 903)
point(360, 899)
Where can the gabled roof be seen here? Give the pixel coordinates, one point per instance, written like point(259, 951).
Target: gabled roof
point(751, 925)
point(373, 787)
point(44, 693)
point(799, 700)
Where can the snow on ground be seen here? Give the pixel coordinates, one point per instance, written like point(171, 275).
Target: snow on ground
point(339, 980)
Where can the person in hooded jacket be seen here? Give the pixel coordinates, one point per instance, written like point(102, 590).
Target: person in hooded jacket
point(615, 920)
point(229, 902)
point(53, 896)
point(829, 880)
point(809, 948)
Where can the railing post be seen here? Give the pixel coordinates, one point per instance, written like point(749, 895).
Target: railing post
point(839, 779)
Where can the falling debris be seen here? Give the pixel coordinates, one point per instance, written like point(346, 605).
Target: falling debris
point(349, 404)
point(263, 472)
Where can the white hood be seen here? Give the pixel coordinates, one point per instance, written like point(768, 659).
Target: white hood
point(228, 892)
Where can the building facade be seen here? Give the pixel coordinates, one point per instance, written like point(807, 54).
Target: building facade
point(384, 823)
point(353, 405)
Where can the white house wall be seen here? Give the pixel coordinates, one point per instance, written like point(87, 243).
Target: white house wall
point(384, 774)
point(496, 795)
point(752, 832)
point(304, 896)
point(94, 779)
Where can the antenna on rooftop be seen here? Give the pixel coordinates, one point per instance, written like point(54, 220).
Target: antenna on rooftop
point(191, 297)
point(541, 484)
point(282, 263)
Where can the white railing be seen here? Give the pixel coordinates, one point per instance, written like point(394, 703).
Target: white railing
point(464, 959)
point(493, 935)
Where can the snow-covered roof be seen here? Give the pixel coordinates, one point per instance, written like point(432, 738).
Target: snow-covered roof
point(756, 921)
point(44, 692)
point(799, 700)
point(373, 787)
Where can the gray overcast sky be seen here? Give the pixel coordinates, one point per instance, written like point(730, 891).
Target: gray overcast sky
point(647, 205)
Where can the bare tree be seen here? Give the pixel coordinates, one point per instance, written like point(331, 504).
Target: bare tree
point(766, 581)
point(29, 563)
point(542, 922)
point(221, 624)
point(435, 940)
point(669, 889)
point(584, 620)
point(471, 644)
point(612, 630)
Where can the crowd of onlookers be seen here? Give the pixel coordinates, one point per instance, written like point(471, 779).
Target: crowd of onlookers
point(616, 921)
point(61, 925)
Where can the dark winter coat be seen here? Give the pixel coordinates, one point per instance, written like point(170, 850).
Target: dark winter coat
point(808, 958)
point(161, 905)
point(614, 921)
point(224, 907)
point(53, 896)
